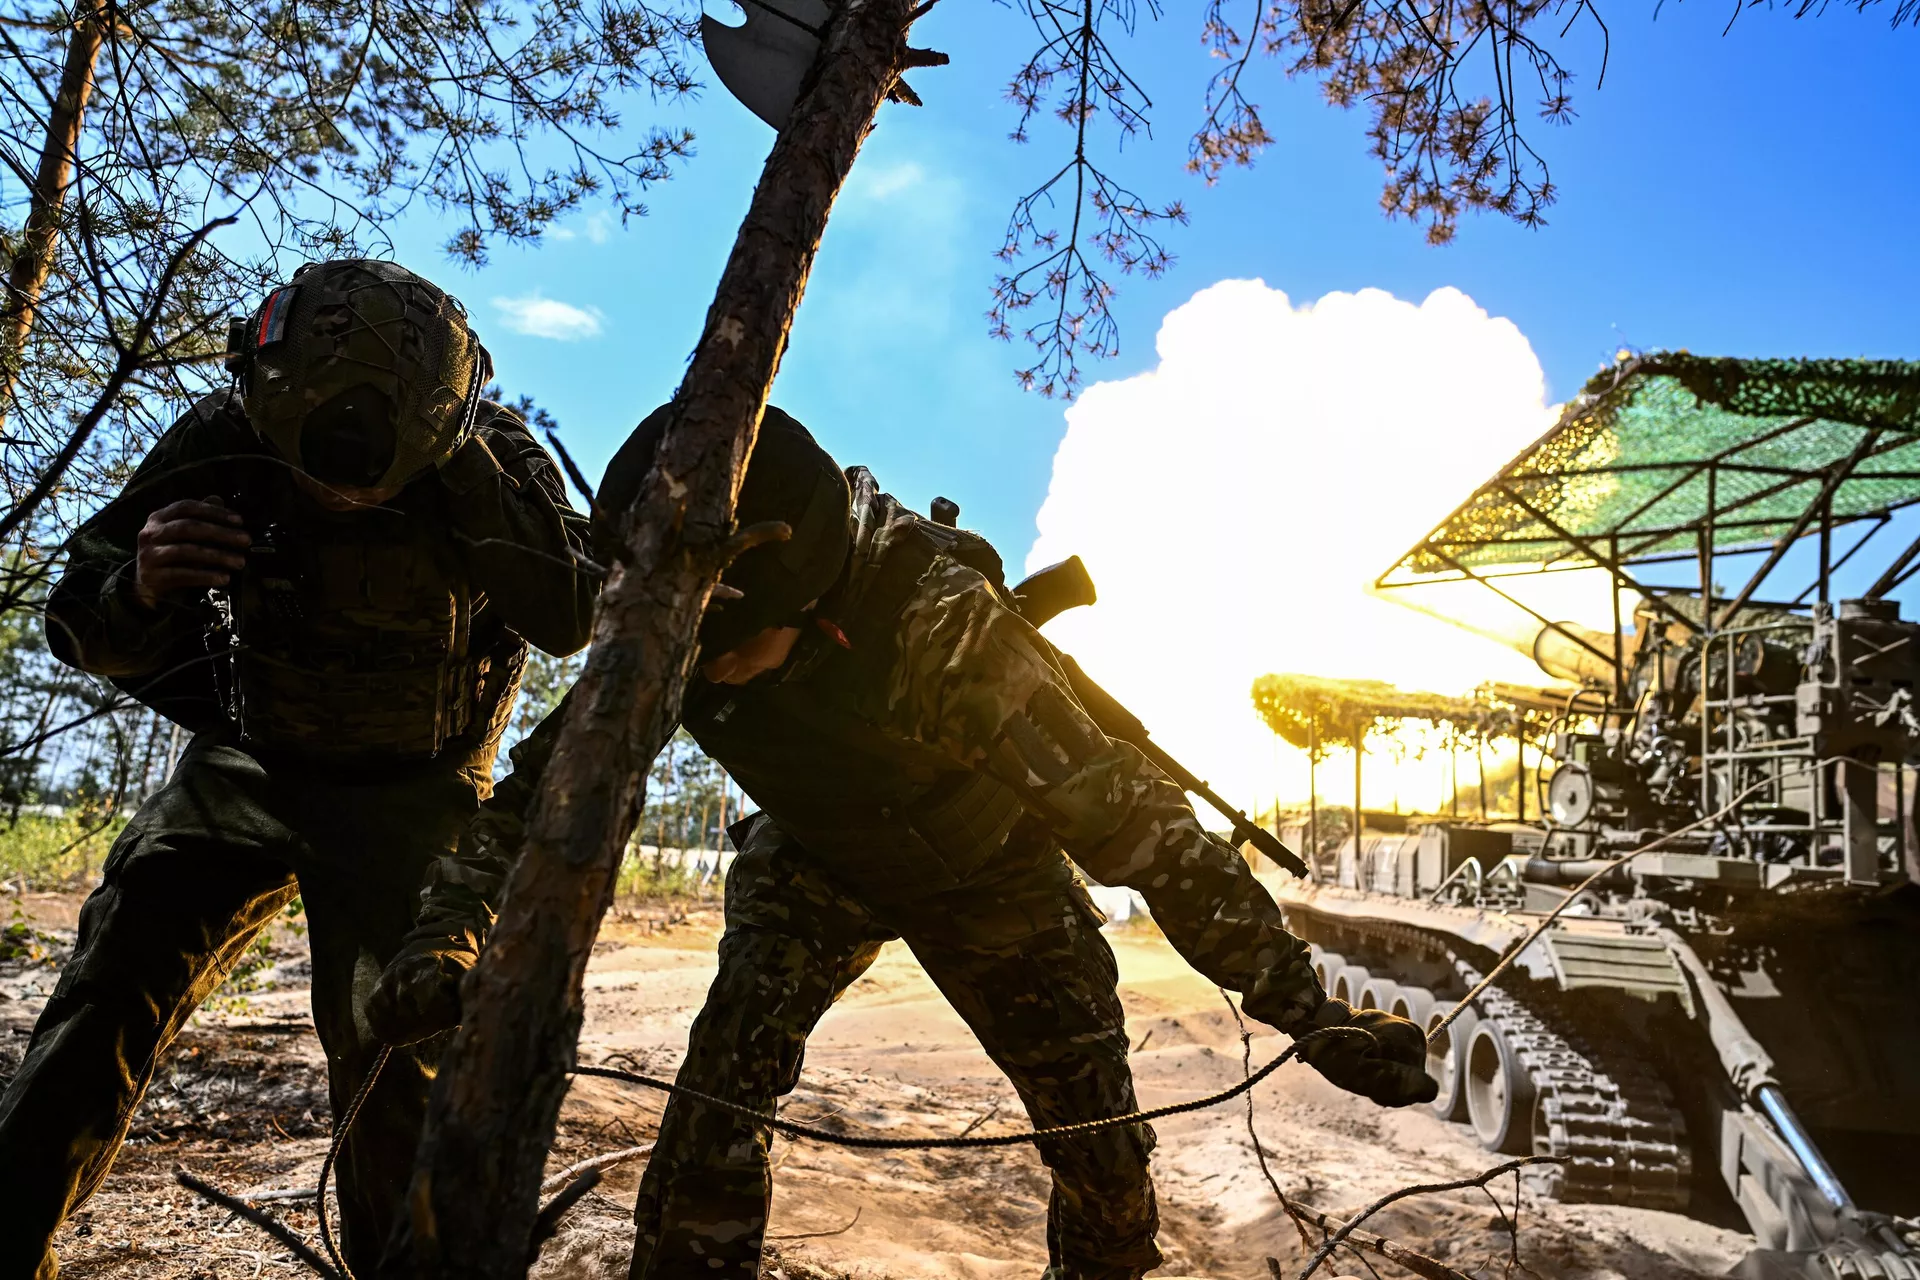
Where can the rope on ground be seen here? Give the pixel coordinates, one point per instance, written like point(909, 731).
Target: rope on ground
point(792, 1130)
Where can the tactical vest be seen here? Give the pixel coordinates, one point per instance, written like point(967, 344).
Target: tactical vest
point(352, 635)
point(896, 819)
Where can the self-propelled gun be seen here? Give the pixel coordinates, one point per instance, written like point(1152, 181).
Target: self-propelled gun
point(1725, 1018)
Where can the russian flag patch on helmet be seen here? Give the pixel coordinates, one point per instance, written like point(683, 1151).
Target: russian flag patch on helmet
point(273, 317)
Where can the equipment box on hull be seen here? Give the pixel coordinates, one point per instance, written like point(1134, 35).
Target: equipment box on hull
point(1414, 864)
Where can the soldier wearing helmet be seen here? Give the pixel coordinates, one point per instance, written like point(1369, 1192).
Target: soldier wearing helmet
point(330, 574)
point(925, 771)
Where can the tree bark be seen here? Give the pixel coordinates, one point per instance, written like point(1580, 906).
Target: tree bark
point(39, 235)
point(473, 1199)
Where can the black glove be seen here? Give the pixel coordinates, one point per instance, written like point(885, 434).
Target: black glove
point(1382, 1058)
point(418, 994)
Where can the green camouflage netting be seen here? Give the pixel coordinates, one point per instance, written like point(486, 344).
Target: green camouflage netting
point(1660, 449)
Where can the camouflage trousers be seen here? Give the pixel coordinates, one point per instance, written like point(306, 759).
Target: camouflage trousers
point(205, 864)
point(1021, 959)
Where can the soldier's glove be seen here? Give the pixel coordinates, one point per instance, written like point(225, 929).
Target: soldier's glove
point(418, 994)
point(1372, 1053)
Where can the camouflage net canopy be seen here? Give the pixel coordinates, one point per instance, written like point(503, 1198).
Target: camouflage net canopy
point(1310, 710)
point(1660, 449)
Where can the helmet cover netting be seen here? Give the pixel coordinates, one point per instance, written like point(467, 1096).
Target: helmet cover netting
point(361, 340)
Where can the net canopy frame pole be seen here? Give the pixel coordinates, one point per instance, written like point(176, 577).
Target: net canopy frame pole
point(1825, 580)
point(1528, 609)
point(1313, 793)
point(1835, 478)
point(1453, 776)
point(1610, 561)
point(1619, 633)
point(1706, 639)
point(1480, 766)
point(1879, 523)
point(1359, 822)
point(1895, 573)
point(1520, 771)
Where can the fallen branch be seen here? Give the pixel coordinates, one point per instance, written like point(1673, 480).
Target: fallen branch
point(1253, 1135)
point(259, 1218)
point(1392, 1250)
point(595, 1164)
point(1341, 1236)
point(279, 1194)
point(979, 1120)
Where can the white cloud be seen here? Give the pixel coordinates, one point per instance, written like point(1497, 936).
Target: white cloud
point(1234, 503)
point(597, 227)
point(539, 317)
point(883, 182)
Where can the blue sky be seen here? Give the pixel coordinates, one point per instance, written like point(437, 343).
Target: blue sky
point(1746, 194)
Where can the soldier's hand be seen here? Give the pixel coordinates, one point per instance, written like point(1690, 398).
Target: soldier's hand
point(1369, 1052)
point(187, 546)
point(418, 994)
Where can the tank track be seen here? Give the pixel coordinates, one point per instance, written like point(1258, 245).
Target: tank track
point(1609, 1118)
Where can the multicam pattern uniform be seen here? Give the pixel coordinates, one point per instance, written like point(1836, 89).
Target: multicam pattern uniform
point(238, 830)
point(1014, 946)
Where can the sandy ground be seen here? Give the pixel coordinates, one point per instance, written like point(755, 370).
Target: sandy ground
point(241, 1102)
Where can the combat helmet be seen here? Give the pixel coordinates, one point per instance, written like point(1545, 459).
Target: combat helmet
point(360, 372)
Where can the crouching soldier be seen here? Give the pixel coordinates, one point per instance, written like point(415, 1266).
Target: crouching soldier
point(330, 574)
point(924, 772)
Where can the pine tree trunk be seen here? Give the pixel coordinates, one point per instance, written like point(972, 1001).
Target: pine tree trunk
point(476, 1181)
point(39, 235)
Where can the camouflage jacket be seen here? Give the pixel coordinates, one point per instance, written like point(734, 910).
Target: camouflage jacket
point(970, 684)
point(495, 515)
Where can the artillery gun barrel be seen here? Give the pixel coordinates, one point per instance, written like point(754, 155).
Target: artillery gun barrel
point(1564, 650)
point(1750, 1068)
point(1560, 652)
point(1794, 1134)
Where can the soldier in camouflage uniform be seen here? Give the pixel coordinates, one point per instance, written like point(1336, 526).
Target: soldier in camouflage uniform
point(330, 574)
point(924, 772)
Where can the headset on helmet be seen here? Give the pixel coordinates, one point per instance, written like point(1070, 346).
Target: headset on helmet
point(360, 372)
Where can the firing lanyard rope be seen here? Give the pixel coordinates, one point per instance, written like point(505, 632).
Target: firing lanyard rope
point(792, 1130)
point(333, 1154)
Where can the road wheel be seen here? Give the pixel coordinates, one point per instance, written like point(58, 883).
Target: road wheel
point(1347, 982)
point(1411, 1003)
point(1444, 1055)
point(1377, 993)
point(1499, 1092)
point(1325, 965)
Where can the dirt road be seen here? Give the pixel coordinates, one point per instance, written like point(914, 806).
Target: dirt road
point(242, 1103)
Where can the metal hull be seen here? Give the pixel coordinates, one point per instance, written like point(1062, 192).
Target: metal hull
point(1608, 1044)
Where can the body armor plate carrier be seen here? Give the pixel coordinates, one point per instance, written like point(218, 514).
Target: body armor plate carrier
point(352, 635)
point(899, 819)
